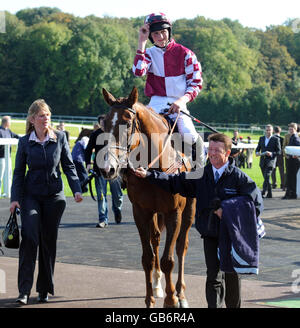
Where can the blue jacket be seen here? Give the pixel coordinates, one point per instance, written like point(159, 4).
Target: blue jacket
point(43, 176)
point(78, 152)
point(232, 183)
point(239, 236)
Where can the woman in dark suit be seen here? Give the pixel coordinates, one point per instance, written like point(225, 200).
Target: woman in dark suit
point(39, 195)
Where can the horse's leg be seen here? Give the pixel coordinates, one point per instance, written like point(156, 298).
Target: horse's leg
point(172, 222)
point(182, 246)
point(142, 220)
point(156, 229)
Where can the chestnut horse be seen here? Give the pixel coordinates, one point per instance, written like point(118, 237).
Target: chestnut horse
point(153, 208)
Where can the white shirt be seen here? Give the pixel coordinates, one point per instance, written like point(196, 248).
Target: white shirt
point(220, 170)
point(33, 137)
point(267, 140)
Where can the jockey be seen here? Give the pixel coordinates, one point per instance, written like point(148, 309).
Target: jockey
point(173, 77)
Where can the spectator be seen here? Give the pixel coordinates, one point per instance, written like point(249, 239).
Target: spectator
point(61, 127)
point(5, 132)
point(241, 156)
point(96, 126)
point(249, 154)
point(235, 151)
point(279, 161)
point(101, 183)
point(78, 157)
point(268, 148)
point(292, 164)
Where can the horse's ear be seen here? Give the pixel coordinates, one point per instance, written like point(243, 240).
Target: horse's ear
point(108, 97)
point(134, 96)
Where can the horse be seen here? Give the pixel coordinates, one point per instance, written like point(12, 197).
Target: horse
point(153, 208)
point(85, 132)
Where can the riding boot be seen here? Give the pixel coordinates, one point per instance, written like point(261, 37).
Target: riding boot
point(198, 154)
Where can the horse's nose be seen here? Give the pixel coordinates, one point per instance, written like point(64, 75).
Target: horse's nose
point(107, 167)
point(109, 170)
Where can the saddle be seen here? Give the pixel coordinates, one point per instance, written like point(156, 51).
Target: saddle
point(170, 123)
point(181, 159)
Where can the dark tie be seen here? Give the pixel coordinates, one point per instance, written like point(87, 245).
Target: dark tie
point(217, 176)
point(291, 142)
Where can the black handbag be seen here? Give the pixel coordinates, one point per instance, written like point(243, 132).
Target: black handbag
point(11, 235)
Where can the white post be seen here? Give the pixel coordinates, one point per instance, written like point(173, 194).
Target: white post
point(2, 282)
point(298, 184)
point(7, 173)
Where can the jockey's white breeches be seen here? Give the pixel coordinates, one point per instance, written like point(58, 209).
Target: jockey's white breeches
point(185, 124)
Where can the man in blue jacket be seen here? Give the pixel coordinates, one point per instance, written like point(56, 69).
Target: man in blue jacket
point(221, 180)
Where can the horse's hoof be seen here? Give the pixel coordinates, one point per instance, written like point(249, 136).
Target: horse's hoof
point(158, 292)
point(173, 306)
point(150, 305)
point(176, 305)
point(183, 304)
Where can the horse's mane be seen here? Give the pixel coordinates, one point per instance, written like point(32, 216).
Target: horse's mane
point(148, 111)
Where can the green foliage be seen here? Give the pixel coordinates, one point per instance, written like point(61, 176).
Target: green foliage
point(250, 76)
point(35, 15)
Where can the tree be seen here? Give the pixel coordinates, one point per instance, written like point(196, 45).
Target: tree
point(250, 76)
point(258, 101)
point(279, 65)
point(227, 62)
point(35, 15)
point(11, 77)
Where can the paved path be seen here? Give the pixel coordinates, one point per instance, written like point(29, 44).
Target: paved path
point(102, 267)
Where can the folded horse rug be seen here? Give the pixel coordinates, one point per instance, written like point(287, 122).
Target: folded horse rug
point(240, 231)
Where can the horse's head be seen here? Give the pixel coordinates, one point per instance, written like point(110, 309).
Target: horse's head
point(118, 125)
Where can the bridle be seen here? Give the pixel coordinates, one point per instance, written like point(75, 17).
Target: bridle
point(123, 160)
point(120, 162)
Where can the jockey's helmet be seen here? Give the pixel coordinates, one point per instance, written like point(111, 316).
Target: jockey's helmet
point(157, 22)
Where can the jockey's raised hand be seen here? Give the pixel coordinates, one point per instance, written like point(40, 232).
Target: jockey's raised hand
point(143, 37)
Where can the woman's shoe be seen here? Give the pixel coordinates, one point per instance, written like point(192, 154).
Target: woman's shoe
point(22, 299)
point(42, 298)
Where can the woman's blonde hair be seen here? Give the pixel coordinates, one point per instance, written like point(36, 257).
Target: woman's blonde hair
point(37, 106)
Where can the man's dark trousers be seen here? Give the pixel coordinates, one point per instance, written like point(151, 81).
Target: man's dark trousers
point(40, 217)
point(266, 172)
point(292, 167)
point(217, 281)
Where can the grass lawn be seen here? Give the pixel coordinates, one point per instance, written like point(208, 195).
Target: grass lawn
point(254, 172)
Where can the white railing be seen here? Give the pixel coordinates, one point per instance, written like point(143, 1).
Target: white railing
point(7, 142)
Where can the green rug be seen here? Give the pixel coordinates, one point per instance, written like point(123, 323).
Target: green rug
point(289, 303)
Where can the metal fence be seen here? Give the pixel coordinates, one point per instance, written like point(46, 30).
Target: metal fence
point(90, 120)
point(58, 118)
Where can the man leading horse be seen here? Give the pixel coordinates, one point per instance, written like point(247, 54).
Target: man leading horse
point(221, 182)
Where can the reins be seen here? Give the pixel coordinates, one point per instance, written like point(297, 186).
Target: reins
point(165, 146)
point(127, 150)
